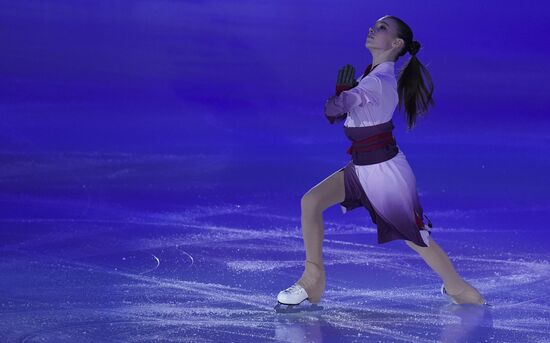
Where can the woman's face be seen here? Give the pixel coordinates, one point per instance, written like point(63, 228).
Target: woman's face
point(382, 35)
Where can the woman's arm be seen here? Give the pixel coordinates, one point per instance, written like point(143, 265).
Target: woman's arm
point(345, 81)
point(367, 91)
point(338, 104)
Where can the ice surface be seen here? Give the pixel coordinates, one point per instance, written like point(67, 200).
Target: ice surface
point(98, 263)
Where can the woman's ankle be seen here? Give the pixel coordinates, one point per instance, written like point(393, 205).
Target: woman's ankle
point(314, 273)
point(456, 287)
point(314, 268)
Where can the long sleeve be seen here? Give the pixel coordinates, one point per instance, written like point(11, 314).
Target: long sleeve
point(367, 91)
point(337, 118)
point(335, 108)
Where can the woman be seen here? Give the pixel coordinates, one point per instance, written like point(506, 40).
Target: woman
point(379, 177)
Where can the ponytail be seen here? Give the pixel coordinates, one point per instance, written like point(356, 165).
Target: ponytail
point(415, 93)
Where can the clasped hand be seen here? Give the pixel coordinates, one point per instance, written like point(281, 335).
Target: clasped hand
point(345, 81)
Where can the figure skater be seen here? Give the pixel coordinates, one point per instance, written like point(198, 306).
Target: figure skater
point(378, 177)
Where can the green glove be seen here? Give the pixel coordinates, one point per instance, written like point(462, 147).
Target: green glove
point(346, 79)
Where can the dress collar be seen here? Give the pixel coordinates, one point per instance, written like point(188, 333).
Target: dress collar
point(384, 66)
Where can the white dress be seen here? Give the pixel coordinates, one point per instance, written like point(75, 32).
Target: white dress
point(389, 185)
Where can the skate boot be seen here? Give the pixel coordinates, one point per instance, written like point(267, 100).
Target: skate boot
point(307, 287)
point(468, 295)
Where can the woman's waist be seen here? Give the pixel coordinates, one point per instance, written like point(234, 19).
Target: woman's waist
point(372, 144)
point(362, 159)
point(375, 151)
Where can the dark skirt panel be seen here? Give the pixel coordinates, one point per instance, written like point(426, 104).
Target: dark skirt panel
point(356, 197)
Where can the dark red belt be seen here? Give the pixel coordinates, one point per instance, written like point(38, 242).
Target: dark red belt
point(372, 143)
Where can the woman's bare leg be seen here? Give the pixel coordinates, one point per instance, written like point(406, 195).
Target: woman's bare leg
point(461, 291)
point(328, 192)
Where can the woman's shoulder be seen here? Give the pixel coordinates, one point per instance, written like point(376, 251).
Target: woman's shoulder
point(381, 79)
point(378, 77)
point(383, 75)
point(371, 78)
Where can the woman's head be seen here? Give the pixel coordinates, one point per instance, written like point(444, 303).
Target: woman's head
point(390, 39)
point(393, 36)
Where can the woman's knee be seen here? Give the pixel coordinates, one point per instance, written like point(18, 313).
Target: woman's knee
point(327, 193)
point(311, 202)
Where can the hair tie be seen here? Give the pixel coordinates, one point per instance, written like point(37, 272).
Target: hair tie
point(414, 47)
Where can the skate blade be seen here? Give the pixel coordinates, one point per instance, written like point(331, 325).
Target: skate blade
point(295, 308)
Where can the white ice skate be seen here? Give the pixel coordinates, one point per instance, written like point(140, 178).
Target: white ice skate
point(297, 293)
point(291, 297)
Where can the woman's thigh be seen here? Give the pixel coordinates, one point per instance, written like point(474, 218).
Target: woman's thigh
point(326, 193)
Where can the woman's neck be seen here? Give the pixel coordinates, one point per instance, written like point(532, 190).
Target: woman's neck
point(377, 62)
point(381, 57)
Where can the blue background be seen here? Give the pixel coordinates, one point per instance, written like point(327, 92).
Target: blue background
point(189, 130)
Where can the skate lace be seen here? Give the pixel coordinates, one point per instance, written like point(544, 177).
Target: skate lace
point(292, 288)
